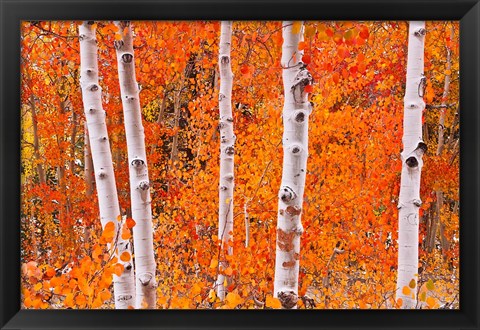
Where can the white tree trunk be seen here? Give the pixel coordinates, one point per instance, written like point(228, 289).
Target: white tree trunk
point(227, 141)
point(124, 285)
point(295, 153)
point(413, 150)
point(138, 171)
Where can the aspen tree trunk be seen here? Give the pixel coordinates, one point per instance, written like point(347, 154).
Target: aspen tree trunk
point(123, 285)
point(227, 150)
point(36, 141)
point(88, 166)
point(296, 111)
point(446, 91)
point(413, 150)
point(441, 143)
point(73, 141)
point(138, 170)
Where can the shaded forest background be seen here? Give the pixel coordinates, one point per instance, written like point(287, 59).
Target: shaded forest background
point(352, 182)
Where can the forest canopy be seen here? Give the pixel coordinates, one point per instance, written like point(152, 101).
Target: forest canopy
point(196, 165)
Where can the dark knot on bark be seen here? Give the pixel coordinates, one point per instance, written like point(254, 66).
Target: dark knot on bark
point(127, 58)
point(288, 299)
point(287, 194)
point(138, 163)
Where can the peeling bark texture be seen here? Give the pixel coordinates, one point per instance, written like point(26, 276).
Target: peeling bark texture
point(124, 285)
point(413, 150)
point(227, 150)
point(88, 166)
point(138, 171)
point(296, 111)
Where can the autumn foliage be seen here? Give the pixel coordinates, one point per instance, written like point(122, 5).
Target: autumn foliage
point(348, 252)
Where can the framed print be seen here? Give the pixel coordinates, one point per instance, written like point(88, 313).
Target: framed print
point(239, 164)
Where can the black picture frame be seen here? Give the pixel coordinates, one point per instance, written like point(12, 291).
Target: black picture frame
point(13, 12)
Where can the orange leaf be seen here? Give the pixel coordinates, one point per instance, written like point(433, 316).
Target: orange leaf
point(306, 59)
point(50, 272)
point(302, 45)
point(431, 302)
point(118, 270)
point(244, 69)
point(130, 223)
point(308, 89)
point(364, 34)
point(105, 295)
point(336, 77)
point(273, 302)
point(125, 256)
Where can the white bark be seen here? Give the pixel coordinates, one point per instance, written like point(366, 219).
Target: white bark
point(295, 153)
point(138, 171)
point(124, 285)
point(227, 141)
point(413, 149)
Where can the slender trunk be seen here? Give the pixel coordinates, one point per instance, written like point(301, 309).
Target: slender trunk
point(138, 170)
point(296, 111)
point(73, 141)
point(247, 224)
point(440, 147)
point(227, 150)
point(88, 169)
point(124, 285)
point(446, 90)
point(413, 150)
point(177, 103)
point(36, 142)
point(162, 108)
point(176, 114)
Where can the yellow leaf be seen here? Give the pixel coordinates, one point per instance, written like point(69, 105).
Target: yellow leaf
point(37, 287)
point(423, 296)
point(212, 296)
point(118, 37)
point(406, 290)
point(227, 200)
point(214, 263)
point(412, 284)
point(196, 289)
point(431, 302)
point(296, 27)
point(430, 285)
point(228, 271)
point(309, 31)
point(233, 299)
point(272, 302)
